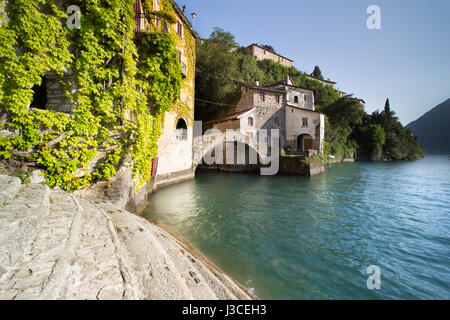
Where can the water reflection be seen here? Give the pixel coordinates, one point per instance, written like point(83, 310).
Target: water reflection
point(296, 237)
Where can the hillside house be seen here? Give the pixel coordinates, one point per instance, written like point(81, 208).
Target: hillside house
point(260, 53)
point(280, 105)
point(322, 81)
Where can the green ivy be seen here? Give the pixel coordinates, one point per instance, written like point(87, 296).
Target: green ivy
point(125, 83)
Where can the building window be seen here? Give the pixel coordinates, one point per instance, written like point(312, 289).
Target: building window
point(262, 96)
point(277, 98)
point(277, 120)
point(250, 121)
point(304, 97)
point(295, 99)
point(305, 122)
point(180, 29)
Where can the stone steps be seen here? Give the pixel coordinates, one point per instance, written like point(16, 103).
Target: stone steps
point(20, 221)
point(158, 276)
point(194, 270)
point(55, 245)
point(9, 186)
point(195, 276)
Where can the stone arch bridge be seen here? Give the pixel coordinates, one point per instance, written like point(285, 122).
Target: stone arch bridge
point(203, 144)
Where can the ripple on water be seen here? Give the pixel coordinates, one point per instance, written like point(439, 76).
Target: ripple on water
point(313, 238)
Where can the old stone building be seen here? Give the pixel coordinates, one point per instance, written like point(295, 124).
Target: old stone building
point(174, 162)
point(280, 105)
point(261, 53)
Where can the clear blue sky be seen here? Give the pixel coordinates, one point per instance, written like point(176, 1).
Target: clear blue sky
point(408, 60)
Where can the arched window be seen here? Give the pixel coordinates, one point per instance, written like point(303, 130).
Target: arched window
point(181, 130)
point(295, 99)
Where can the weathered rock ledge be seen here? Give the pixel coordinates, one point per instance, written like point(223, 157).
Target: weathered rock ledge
point(55, 245)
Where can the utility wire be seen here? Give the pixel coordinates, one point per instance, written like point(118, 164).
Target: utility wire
point(217, 103)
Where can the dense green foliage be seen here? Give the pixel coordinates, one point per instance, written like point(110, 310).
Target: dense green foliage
point(268, 47)
point(215, 71)
point(372, 138)
point(220, 61)
point(317, 73)
point(343, 116)
point(349, 129)
point(124, 87)
point(399, 142)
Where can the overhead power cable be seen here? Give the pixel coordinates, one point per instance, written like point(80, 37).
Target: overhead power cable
point(217, 103)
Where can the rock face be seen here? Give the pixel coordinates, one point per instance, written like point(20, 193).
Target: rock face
point(55, 245)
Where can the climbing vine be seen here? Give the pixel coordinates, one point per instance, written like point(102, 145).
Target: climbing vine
point(122, 85)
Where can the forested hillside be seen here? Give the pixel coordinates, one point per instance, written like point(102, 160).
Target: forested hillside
point(349, 130)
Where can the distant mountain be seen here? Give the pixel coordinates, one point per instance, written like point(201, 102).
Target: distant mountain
point(433, 129)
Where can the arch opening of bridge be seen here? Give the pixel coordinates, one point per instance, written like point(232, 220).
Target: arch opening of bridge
point(237, 150)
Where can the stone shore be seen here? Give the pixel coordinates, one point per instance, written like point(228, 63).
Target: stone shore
point(56, 245)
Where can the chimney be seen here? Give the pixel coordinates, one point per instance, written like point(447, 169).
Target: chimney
point(289, 80)
point(184, 9)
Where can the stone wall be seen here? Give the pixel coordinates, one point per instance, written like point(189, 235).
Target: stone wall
point(3, 15)
point(174, 154)
point(269, 114)
point(121, 190)
point(247, 99)
point(297, 165)
point(305, 96)
point(245, 127)
point(56, 99)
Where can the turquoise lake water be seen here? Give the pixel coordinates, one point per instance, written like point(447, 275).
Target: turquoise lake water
point(291, 237)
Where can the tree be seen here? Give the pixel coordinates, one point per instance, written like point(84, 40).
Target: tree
point(268, 47)
point(372, 138)
point(216, 69)
point(317, 73)
point(343, 116)
point(400, 142)
point(249, 70)
point(225, 37)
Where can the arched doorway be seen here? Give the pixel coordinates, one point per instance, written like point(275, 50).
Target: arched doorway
point(304, 142)
point(181, 129)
